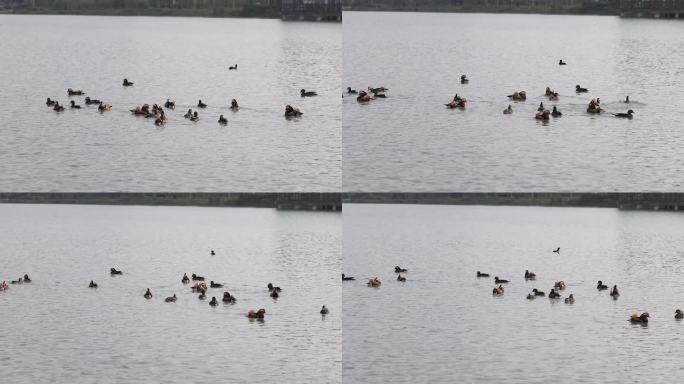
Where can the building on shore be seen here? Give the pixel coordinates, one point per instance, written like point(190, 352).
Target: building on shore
point(665, 9)
point(312, 10)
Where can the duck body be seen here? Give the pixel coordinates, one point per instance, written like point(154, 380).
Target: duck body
point(213, 301)
point(556, 112)
point(114, 271)
point(530, 275)
point(627, 115)
point(324, 310)
point(480, 274)
point(374, 282)
point(305, 93)
point(398, 269)
point(347, 278)
point(600, 286)
point(508, 110)
point(560, 285)
point(127, 83)
point(185, 279)
point(401, 278)
point(499, 281)
point(351, 91)
point(148, 294)
point(90, 101)
point(215, 285)
point(518, 96)
point(228, 298)
point(50, 102)
point(27, 279)
point(72, 92)
point(363, 97)
point(643, 318)
point(233, 68)
point(679, 314)
point(74, 105)
point(222, 120)
point(570, 299)
point(234, 105)
point(538, 293)
point(171, 299)
point(253, 314)
point(197, 278)
point(292, 112)
point(579, 89)
point(200, 104)
point(92, 284)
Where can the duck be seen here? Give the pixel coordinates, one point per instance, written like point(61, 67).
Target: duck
point(556, 112)
point(160, 120)
point(347, 278)
point(600, 286)
point(561, 62)
point(499, 281)
point(253, 314)
point(185, 279)
point(460, 103)
point(233, 68)
point(398, 269)
point(127, 83)
point(171, 299)
point(4, 286)
point(212, 251)
point(643, 318)
point(200, 287)
point(374, 282)
point(498, 291)
point(213, 301)
point(304, 93)
point(19, 281)
point(541, 107)
point(113, 271)
point(480, 274)
point(570, 299)
point(74, 105)
point(351, 91)
point(215, 285)
point(195, 117)
point(234, 105)
point(200, 104)
point(542, 115)
point(72, 92)
point(518, 96)
point(679, 314)
point(377, 89)
point(92, 284)
point(292, 112)
point(363, 97)
point(627, 115)
point(324, 310)
point(58, 107)
point(626, 100)
point(464, 79)
point(275, 294)
point(271, 287)
point(224, 121)
point(579, 89)
point(148, 294)
point(530, 275)
point(557, 250)
point(560, 285)
point(531, 296)
point(197, 278)
point(538, 292)
point(90, 101)
point(614, 291)
point(188, 114)
point(227, 298)
point(50, 102)
point(27, 279)
point(104, 107)
point(170, 104)
point(508, 110)
point(553, 294)
point(401, 278)
point(202, 296)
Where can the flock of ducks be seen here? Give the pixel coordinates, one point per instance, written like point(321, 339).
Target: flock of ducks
point(157, 112)
point(199, 287)
point(554, 293)
point(458, 102)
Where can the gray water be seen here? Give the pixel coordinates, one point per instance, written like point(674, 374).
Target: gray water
point(185, 59)
point(411, 142)
point(444, 325)
point(58, 330)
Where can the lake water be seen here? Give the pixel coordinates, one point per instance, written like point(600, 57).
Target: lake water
point(184, 59)
point(55, 329)
point(411, 142)
point(444, 325)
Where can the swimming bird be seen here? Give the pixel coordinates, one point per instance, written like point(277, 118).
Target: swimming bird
point(531, 296)
point(90, 101)
point(627, 115)
point(499, 281)
point(104, 107)
point(58, 107)
point(274, 294)
point(570, 299)
point(556, 112)
point(498, 291)
point(560, 285)
point(113, 271)
point(200, 104)
point(194, 117)
point(148, 294)
point(557, 250)
point(271, 287)
point(561, 62)
point(74, 105)
point(351, 91)
point(233, 68)
point(202, 295)
point(127, 83)
point(188, 114)
point(401, 278)
point(363, 97)
point(374, 282)
point(185, 279)
point(228, 298)
point(397, 269)
point(197, 278)
point(252, 314)
point(213, 301)
point(530, 275)
point(224, 121)
point(292, 112)
point(171, 299)
point(508, 110)
point(538, 293)
point(377, 89)
point(679, 314)
point(347, 278)
point(579, 89)
point(600, 286)
point(627, 99)
point(518, 96)
point(19, 281)
point(304, 93)
point(643, 318)
point(324, 310)
point(27, 279)
point(170, 104)
point(212, 251)
point(541, 107)
point(51, 102)
point(614, 291)
point(72, 92)
point(464, 79)
point(480, 274)
point(92, 284)
point(215, 285)
point(234, 105)
point(553, 294)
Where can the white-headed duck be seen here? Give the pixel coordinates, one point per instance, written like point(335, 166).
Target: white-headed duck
point(171, 299)
point(560, 285)
point(188, 114)
point(148, 294)
point(643, 318)
point(72, 92)
point(170, 104)
point(627, 115)
point(4, 286)
point(50, 102)
point(271, 287)
point(377, 90)
point(556, 112)
point(498, 291)
point(553, 294)
point(127, 83)
point(518, 96)
point(254, 314)
point(58, 107)
point(90, 101)
point(194, 117)
point(347, 278)
point(92, 284)
point(304, 93)
point(363, 97)
point(499, 281)
point(104, 107)
point(544, 115)
point(600, 286)
point(324, 311)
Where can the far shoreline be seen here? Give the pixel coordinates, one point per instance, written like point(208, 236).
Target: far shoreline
point(574, 11)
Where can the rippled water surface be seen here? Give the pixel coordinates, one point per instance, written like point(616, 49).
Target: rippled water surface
point(57, 330)
point(444, 325)
point(411, 142)
point(184, 59)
